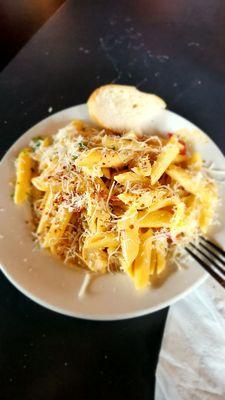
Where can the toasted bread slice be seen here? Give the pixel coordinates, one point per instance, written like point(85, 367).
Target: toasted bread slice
point(123, 108)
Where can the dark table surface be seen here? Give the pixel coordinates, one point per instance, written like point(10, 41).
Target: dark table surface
point(20, 19)
point(175, 49)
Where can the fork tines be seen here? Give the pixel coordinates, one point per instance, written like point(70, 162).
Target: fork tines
point(211, 257)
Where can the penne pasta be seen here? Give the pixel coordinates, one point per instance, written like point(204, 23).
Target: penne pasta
point(129, 237)
point(155, 219)
point(160, 248)
point(142, 263)
point(164, 159)
point(153, 264)
point(185, 178)
point(114, 202)
point(101, 241)
point(209, 199)
point(195, 162)
point(23, 176)
point(57, 227)
point(130, 177)
point(47, 205)
point(143, 166)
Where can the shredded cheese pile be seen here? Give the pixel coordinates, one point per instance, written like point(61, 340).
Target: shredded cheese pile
point(115, 202)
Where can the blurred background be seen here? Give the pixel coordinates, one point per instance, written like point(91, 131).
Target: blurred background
point(20, 19)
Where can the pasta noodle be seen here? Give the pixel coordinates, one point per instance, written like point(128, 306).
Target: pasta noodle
point(110, 201)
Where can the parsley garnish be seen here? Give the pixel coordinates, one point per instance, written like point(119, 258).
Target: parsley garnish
point(82, 145)
point(37, 141)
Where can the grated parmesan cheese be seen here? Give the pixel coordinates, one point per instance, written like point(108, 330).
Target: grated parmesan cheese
point(76, 205)
point(84, 286)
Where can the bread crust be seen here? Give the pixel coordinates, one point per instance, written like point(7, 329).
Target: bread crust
point(96, 115)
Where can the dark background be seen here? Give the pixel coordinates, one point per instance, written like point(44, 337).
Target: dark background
point(173, 48)
point(20, 19)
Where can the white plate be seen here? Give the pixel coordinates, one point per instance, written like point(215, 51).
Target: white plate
point(50, 283)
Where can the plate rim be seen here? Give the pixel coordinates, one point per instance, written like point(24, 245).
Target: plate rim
point(104, 317)
point(98, 317)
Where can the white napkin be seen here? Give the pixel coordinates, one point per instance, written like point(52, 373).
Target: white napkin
point(192, 357)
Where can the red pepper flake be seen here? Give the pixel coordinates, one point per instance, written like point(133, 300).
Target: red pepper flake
point(114, 198)
point(169, 238)
point(167, 180)
point(102, 194)
point(183, 151)
point(116, 201)
point(79, 209)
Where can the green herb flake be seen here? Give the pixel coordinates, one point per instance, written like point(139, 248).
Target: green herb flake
point(82, 145)
point(37, 141)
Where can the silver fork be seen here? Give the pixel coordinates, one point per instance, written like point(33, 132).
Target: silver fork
point(211, 257)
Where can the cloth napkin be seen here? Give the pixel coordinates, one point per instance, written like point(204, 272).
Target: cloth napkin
point(192, 357)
